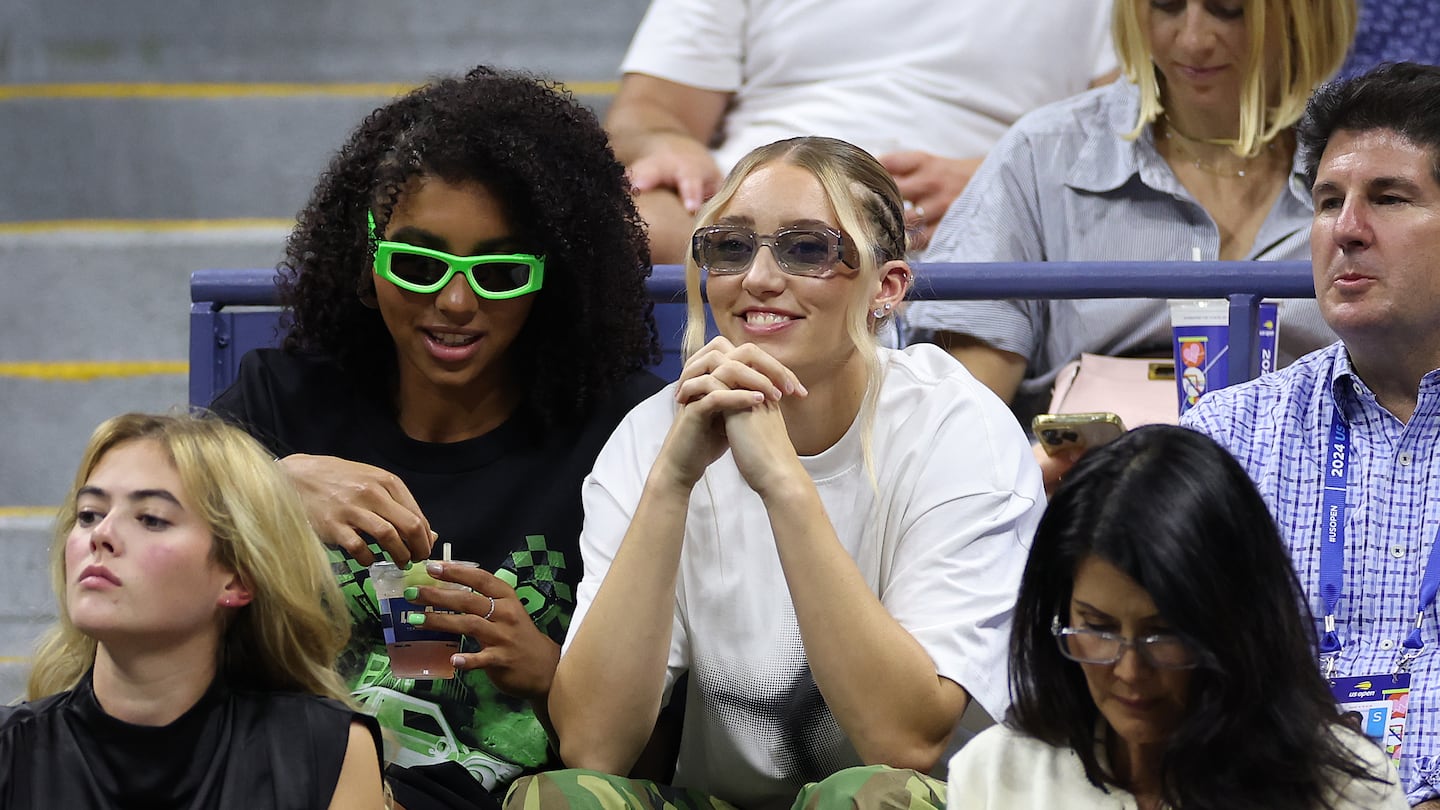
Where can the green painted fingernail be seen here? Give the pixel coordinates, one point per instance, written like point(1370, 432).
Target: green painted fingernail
point(411, 592)
point(415, 617)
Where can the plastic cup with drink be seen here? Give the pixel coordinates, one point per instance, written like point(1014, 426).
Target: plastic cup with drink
point(415, 651)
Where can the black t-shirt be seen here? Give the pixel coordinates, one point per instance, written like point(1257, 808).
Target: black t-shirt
point(230, 751)
point(509, 500)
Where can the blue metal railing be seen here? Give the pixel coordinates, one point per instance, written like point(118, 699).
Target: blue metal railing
point(219, 337)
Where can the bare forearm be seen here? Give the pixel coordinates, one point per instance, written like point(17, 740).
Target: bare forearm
point(876, 678)
point(607, 688)
point(1000, 371)
point(632, 125)
point(633, 131)
point(647, 106)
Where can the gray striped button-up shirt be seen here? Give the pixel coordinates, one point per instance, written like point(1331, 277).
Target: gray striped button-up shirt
point(1065, 185)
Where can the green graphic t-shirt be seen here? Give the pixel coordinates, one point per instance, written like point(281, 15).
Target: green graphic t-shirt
point(465, 719)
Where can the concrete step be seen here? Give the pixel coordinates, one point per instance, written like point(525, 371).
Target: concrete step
point(128, 144)
point(114, 295)
point(88, 297)
point(326, 40)
point(169, 158)
point(40, 446)
point(29, 605)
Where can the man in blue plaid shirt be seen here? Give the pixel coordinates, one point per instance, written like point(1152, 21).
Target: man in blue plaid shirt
point(1345, 443)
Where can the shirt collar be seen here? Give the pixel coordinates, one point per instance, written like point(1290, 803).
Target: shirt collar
point(1353, 397)
point(1108, 159)
point(1345, 385)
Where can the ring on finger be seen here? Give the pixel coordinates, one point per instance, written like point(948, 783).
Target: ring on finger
point(491, 611)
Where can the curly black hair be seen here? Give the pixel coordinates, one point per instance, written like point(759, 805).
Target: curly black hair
point(549, 163)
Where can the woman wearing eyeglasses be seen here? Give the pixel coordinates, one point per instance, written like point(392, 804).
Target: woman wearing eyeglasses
point(467, 325)
point(1161, 655)
point(826, 535)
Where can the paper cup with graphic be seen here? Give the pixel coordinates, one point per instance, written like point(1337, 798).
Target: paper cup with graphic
point(415, 652)
point(1201, 332)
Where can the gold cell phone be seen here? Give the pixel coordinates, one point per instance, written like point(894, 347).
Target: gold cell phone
point(1080, 431)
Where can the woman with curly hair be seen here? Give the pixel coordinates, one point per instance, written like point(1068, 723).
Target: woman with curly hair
point(467, 324)
point(192, 663)
point(1161, 656)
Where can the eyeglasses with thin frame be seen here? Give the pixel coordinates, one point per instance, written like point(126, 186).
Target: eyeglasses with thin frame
point(494, 277)
point(811, 252)
point(1086, 646)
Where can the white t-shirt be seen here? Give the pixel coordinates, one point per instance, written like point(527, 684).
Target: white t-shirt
point(941, 537)
point(1004, 769)
point(945, 77)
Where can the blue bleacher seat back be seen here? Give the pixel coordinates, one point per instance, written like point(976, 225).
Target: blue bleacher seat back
point(220, 335)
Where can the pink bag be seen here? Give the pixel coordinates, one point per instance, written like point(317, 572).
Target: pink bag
point(1140, 390)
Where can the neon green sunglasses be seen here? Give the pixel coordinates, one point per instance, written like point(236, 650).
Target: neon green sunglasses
point(495, 277)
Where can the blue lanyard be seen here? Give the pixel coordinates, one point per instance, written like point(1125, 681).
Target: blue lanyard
point(1332, 547)
point(1332, 528)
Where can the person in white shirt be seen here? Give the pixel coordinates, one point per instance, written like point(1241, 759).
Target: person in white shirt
point(825, 534)
point(928, 87)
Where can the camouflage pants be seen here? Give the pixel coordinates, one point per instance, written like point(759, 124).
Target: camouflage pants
point(870, 787)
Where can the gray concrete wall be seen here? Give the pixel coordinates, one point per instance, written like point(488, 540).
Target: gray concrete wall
point(311, 40)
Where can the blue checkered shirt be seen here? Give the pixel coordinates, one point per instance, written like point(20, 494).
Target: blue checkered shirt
point(1278, 427)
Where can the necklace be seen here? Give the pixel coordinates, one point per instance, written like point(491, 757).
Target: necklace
point(1185, 151)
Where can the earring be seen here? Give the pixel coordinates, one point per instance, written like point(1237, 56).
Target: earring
point(878, 313)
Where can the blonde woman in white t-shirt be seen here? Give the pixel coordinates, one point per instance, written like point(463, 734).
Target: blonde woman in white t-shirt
point(825, 535)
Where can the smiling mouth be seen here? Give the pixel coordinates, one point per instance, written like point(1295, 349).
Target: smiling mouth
point(766, 318)
point(450, 339)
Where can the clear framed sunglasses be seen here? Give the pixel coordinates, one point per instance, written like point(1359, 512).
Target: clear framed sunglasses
point(1086, 646)
point(812, 252)
point(495, 277)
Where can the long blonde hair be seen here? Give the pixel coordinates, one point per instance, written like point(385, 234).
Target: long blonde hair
point(288, 637)
point(869, 207)
point(1313, 37)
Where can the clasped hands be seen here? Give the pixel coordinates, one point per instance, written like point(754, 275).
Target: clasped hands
point(729, 398)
